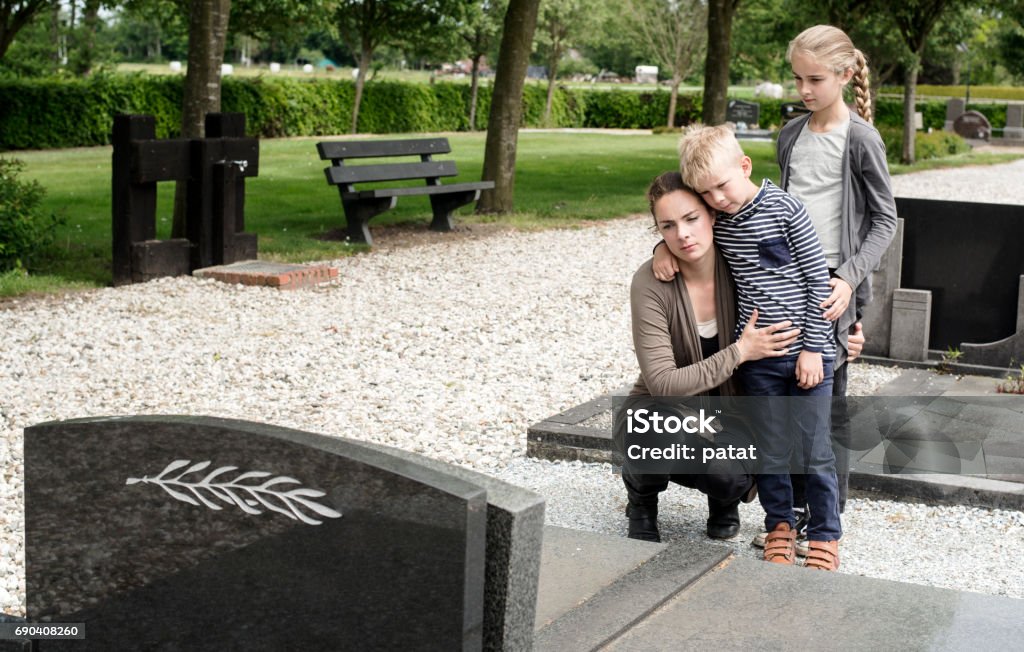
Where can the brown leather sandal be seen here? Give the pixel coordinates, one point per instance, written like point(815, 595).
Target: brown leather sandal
point(822, 555)
point(780, 545)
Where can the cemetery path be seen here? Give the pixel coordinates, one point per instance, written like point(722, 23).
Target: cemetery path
point(989, 184)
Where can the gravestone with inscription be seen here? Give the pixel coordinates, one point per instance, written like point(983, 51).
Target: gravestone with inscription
point(973, 126)
point(792, 110)
point(211, 534)
point(747, 113)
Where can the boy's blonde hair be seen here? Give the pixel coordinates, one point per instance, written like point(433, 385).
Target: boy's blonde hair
point(702, 148)
point(832, 48)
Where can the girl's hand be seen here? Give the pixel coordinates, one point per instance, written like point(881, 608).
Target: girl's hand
point(809, 370)
point(665, 266)
point(768, 342)
point(838, 301)
point(855, 342)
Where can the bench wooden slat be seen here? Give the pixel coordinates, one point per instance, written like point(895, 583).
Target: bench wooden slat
point(419, 190)
point(345, 174)
point(340, 149)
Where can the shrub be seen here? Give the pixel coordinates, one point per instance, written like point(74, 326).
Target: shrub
point(24, 230)
point(936, 144)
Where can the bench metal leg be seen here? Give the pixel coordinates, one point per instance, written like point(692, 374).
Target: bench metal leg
point(443, 206)
point(359, 211)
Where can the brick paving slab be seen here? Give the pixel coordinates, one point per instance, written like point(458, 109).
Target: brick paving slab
point(282, 276)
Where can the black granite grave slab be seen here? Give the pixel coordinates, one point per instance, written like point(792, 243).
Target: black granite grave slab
point(515, 533)
point(189, 533)
point(969, 255)
point(751, 605)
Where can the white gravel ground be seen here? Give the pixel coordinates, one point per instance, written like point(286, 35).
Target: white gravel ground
point(450, 350)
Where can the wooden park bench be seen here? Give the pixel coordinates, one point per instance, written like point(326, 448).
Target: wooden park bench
point(361, 205)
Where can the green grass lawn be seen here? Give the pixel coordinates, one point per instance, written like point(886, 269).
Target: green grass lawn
point(561, 179)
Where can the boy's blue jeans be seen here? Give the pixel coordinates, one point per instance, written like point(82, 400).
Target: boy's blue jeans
point(798, 419)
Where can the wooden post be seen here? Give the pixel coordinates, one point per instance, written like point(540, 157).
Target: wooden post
point(133, 205)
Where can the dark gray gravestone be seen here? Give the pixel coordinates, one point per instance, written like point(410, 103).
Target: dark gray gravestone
point(1014, 121)
point(973, 125)
point(885, 280)
point(515, 529)
point(190, 533)
point(954, 109)
point(969, 255)
point(746, 112)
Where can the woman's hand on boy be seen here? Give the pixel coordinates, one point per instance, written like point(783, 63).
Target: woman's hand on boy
point(665, 266)
point(769, 342)
point(838, 301)
point(809, 369)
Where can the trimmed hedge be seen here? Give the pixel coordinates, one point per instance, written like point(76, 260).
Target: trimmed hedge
point(40, 114)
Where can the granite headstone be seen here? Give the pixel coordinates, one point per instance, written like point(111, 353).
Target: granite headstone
point(739, 111)
point(973, 125)
point(954, 109)
point(191, 533)
point(1014, 129)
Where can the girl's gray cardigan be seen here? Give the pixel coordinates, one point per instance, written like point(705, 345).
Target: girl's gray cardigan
point(869, 211)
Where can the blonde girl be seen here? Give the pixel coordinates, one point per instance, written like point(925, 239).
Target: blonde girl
point(833, 160)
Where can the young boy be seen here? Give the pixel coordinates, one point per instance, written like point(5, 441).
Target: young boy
point(779, 268)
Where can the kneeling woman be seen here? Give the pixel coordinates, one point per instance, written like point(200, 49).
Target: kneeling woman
point(682, 333)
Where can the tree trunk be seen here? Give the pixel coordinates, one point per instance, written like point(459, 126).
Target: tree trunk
point(673, 99)
point(87, 43)
point(552, 78)
point(365, 56)
point(473, 89)
point(909, 106)
point(507, 106)
point(716, 64)
point(54, 33)
point(207, 31)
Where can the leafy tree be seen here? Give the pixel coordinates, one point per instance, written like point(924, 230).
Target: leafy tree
point(915, 21)
point(560, 23)
point(607, 44)
point(1011, 49)
point(365, 25)
point(34, 53)
point(155, 30)
point(14, 16)
point(674, 32)
point(507, 105)
point(479, 32)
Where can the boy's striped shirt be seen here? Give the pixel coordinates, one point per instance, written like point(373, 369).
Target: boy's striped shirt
point(778, 266)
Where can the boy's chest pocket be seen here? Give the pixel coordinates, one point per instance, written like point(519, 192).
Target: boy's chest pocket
point(773, 253)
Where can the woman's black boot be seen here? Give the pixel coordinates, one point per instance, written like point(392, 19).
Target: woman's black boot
point(723, 518)
point(643, 522)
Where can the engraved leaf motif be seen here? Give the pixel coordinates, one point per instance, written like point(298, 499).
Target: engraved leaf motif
point(247, 497)
point(173, 466)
